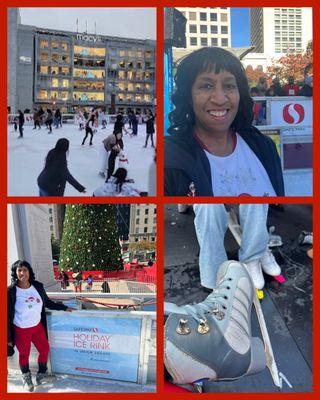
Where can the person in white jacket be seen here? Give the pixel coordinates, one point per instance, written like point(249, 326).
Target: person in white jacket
point(117, 185)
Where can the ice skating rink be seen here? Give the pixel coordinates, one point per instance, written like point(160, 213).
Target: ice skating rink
point(26, 158)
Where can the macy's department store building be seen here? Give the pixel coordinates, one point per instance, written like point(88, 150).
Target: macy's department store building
point(66, 69)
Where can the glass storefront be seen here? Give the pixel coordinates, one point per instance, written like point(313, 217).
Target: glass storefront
point(87, 96)
point(89, 51)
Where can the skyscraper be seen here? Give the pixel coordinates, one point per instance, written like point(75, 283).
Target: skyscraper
point(280, 30)
point(207, 26)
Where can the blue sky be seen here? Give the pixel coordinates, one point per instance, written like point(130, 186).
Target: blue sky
point(240, 27)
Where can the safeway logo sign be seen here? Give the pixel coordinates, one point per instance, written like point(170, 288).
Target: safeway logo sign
point(293, 113)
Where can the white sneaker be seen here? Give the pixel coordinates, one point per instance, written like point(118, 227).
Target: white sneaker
point(269, 264)
point(255, 271)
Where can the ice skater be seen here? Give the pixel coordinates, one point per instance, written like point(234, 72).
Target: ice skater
point(149, 128)
point(55, 174)
point(36, 119)
point(49, 120)
point(119, 124)
point(104, 119)
point(115, 150)
point(88, 129)
point(135, 120)
point(21, 123)
point(58, 118)
point(117, 185)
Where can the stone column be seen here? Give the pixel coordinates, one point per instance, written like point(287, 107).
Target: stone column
point(29, 228)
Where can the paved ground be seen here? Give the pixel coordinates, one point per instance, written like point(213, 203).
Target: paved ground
point(287, 309)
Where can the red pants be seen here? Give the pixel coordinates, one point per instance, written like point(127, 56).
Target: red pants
point(23, 339)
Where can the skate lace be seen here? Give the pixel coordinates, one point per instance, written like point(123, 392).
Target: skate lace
point(27, 379)
point(212, 304)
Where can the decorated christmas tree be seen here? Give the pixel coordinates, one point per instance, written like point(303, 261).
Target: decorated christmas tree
point(90, 239)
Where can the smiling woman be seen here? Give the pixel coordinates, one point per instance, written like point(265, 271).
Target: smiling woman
point(214, 150)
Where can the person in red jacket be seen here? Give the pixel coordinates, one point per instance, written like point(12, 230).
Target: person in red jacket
point(291, 89)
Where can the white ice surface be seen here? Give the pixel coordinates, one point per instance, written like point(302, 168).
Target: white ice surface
point(26, 158)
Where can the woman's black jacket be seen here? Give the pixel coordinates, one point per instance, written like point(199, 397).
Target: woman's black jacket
point(53, 178)
point(47, 303)
point(186, 162)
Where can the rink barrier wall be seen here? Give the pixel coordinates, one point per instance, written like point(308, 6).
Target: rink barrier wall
point(90, 342)
point(72, 119)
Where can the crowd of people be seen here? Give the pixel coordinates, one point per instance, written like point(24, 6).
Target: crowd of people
point(290, 88)
point(55, 174)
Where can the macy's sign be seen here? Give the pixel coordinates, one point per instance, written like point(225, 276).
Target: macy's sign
point(88, 38)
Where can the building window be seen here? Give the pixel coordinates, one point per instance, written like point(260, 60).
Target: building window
point(55, 58)
point(64, 96)
point(54, 70)
point(64, 46)
point(65, 71)
point(55, 45)
point(204, 41)
point(138, 211)
point(137, 221)
point(224, 17)
point(224, 29)
point(65, 83)
point(214, 42)
point(214, 29)
point(44, 57)
point(213, 17)
point(146, 220)
point(122, 53)
point(203, 16)
point(44, 69)
point(50, 219)
point(203, 29)
point(192, 16)
point(42, 94)
point(44, 44)
point(55, 82)
point(65, 59)
point(137, 231)
point(193, 41)
point(193, 28)
point(224, 42)
point(146, 211)
point(54, 95)
point(145, 230)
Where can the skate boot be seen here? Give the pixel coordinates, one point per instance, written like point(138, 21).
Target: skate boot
point(255, 271)
point(27, 381)
point(212, 340)
point(269, 264)
point(40, 377)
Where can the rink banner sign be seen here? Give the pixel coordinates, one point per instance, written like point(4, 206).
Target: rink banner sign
point(291, 112)
point(96, 346)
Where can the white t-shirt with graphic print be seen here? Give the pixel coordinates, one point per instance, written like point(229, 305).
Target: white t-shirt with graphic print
point(240, 173)
point(27, 310)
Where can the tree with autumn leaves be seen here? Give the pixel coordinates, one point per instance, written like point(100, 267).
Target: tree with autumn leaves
point(291, 64)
